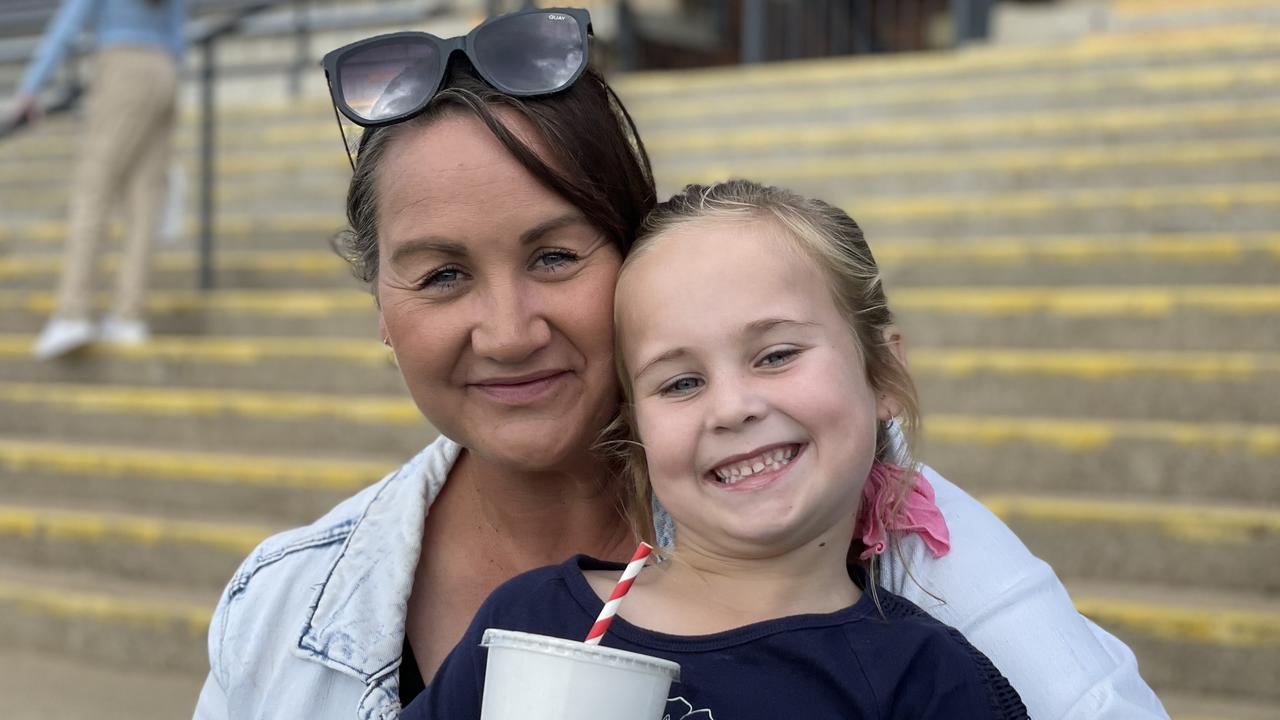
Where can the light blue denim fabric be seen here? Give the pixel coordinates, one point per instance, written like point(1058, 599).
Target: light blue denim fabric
point(115, 22)
point(312, 625)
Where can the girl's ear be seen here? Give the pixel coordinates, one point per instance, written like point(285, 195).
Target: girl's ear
point(889, 407)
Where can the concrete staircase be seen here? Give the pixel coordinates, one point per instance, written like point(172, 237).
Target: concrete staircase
point(1083, 242)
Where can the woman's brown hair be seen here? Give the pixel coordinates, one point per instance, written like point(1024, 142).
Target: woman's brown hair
point(593, 157)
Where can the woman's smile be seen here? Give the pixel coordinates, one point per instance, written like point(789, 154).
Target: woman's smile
point(524, 389)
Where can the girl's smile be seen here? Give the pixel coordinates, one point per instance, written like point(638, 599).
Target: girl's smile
point(756, 469)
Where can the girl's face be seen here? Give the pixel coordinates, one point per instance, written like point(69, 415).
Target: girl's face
point(497, 296)
point(750, 396)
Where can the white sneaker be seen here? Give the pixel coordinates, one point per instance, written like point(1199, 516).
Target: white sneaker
point(60, 337)
point(114, 331)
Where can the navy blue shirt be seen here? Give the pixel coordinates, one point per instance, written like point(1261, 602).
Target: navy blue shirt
point(854, 663)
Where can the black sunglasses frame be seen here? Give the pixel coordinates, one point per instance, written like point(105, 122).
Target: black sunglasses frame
point(446, 48)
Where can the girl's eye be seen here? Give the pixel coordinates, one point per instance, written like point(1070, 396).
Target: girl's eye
point(779, 357)
point(554, 259)
point(681, 386)
point(446, 278)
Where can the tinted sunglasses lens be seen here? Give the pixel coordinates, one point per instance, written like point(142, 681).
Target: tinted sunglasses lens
point(531, 53)
point(382, 81)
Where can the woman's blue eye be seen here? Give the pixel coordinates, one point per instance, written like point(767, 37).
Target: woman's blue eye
point(444, 278)
point(681, 386)
point(552, 259)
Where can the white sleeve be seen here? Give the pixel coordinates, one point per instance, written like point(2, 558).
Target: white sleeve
point(1012, 607)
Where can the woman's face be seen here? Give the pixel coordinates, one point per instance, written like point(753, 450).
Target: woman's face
point(496, 295)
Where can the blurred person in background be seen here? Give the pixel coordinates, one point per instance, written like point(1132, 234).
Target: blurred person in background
point(125, 148)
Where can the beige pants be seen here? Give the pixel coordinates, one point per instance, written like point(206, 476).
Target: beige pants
point(124, 158)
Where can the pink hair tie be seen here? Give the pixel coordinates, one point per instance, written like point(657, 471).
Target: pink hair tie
point(919, 512)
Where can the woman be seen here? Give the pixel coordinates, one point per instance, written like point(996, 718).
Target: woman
point(127, 140)
point(490, 209)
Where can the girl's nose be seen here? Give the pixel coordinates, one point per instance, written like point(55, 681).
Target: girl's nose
point(734, 405)
point(510, 327)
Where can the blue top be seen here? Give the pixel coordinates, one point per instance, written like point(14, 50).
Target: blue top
point(115, 22)
point(854, 663)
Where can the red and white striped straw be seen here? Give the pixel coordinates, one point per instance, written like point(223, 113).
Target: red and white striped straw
point(619, 592)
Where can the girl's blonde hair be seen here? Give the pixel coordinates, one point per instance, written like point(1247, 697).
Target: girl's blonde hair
point(828, 237)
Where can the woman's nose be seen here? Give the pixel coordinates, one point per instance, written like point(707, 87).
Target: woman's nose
point(510, 327)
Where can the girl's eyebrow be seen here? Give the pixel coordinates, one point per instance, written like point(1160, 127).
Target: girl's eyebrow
point(754, 328)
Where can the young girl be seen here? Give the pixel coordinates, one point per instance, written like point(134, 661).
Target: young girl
point(762, 373)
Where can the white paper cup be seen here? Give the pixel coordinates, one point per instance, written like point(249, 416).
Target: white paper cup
point(535, 677)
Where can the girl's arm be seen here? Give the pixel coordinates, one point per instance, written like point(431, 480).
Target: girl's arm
point(1012, 607)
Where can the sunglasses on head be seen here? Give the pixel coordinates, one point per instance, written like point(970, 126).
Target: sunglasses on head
point(388, 79)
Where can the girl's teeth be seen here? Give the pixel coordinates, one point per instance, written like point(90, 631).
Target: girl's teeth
point(774, 459)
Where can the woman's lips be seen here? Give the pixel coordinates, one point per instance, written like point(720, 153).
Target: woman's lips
point(523, 392)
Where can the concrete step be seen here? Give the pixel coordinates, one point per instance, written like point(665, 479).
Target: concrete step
point(215, 420)
point(1103, 52)
point(1175, 208)
point(97, 618)
point(1189, 258)
point(1138, 15)
point(299, 364)
point(127, 546)
point(260, 489)
point(1199, 317)
point(1192, 641)
point(285, 183)
point(42, 685)
point(349, 313)
point(179, 269)
point(1188, 387)
point(1147, 457)
point(1132, 67)
point(1212, 386)
point(1235, 462)
point(1207, 707)
point(1151, 317)
point(1192, 543)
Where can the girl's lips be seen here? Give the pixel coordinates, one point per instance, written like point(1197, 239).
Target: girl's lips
point(765, 477)
point(523, 392)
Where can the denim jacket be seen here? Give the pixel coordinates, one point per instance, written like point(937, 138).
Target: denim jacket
point(312, 624)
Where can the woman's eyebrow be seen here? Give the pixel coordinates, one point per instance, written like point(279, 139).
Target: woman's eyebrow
point(536, 232)
point(431, 245)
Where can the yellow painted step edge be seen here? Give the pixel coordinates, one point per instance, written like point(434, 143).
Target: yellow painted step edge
point(1079, 435)
point(189, 403)
point(1197, 523)
point(193, 619)
point(925, 361)
point(1204, 625)
point(18, 456)
point(94, 527)
point(890, 252)
point(1094, 301)
point(1085, 435)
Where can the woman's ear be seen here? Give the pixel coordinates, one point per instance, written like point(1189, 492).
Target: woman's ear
point(889, 407)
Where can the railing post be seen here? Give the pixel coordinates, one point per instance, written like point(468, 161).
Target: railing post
point(207, 138)
point(302, 45)
point(751, 48)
